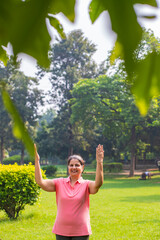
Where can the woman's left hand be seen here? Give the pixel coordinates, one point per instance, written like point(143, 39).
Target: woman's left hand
point(99, 154)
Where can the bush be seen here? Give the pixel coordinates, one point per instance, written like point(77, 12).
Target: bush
point(50, 169)
point(17, 188)
point(17, 159)
point(12, 160)
point(112, 167)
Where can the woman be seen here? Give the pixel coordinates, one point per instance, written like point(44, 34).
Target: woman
point(72, 196)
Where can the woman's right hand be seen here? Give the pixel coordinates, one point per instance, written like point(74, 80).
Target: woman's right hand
point(36, 155)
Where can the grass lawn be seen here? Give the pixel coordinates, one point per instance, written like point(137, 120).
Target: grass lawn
point(124, 208)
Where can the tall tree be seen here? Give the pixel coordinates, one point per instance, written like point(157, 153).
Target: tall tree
point(5, 128)
point(26, 96)
point(5, 121)
point(71, 59)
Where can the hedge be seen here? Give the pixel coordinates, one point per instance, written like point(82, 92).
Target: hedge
point(49, 169)
point(17, 188)
point(17, 159)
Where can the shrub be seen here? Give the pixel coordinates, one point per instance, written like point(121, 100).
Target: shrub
point(112, 167)
point(50, 169)
point(17, 159)
point(17, 188)
point(12, 160)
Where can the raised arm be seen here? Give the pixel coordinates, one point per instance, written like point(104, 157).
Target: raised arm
point(45, 184)
point(95, 185)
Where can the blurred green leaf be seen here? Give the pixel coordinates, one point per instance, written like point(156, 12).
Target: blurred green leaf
point(152, 3)
point(129, 35)
point(148, 17)
point(95, 9)
point(147, 82)
point(66, 7)
point(19, 129)
point(3, 55)
point(124, 23)
point(23, 24)
point(56, 24)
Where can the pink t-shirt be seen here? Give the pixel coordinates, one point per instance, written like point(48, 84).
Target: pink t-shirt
point(72, 208)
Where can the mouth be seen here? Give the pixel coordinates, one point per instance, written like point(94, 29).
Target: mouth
point(74, 171)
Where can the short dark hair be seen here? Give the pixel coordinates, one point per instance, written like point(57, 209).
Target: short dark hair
point(79, 158)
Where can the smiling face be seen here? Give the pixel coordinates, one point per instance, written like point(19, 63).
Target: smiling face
point(75, 168)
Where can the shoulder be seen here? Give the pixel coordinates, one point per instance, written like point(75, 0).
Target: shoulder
point(85, 182)
point(60, 180)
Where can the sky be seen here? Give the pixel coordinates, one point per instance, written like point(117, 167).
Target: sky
point(98, 33)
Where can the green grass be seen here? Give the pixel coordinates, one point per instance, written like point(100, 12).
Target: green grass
point(124, 208)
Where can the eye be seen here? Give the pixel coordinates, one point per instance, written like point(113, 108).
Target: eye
point(77, 165)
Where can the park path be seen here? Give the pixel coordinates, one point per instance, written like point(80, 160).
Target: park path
point(127, 172)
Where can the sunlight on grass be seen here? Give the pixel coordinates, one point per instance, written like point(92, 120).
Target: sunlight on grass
point(124, 208)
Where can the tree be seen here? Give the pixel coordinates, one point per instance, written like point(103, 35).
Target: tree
point(145, 52)
point(71, 59)
point(26, 97)
point(5, 128)
point(47, 117)
point(5, 121)
point(107, 102)
point(43, 136)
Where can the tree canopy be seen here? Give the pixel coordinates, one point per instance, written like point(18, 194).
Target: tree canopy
point(106, 105)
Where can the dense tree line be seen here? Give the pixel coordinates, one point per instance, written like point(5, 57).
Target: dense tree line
point(26, 97)
point(93, 103)
point(97, 108)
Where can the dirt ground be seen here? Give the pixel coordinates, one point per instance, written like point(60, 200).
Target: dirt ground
point(139, 172)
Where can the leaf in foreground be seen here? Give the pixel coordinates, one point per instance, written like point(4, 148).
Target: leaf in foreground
point(147, 84)
point(19, 129)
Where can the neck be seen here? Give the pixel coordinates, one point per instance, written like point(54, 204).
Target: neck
point(74, 178)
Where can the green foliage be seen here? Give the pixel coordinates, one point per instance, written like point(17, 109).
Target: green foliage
point(27, 20)
point(147, 83)
point(23, 24)
point(17, 159)
point(19, 128)
point(131, 28)
point(106, 107)
point(17, 188)
point(20, 91)
point(112, 167)
point(129, 35)
point(71, 59)
point(50, 170)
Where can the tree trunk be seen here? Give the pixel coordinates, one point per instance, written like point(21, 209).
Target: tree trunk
point(2, 150)
point(144, 158)
point(70, 133)
point(136, 161)
point(22, 155)
point(70, 151)
point(133, 144)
